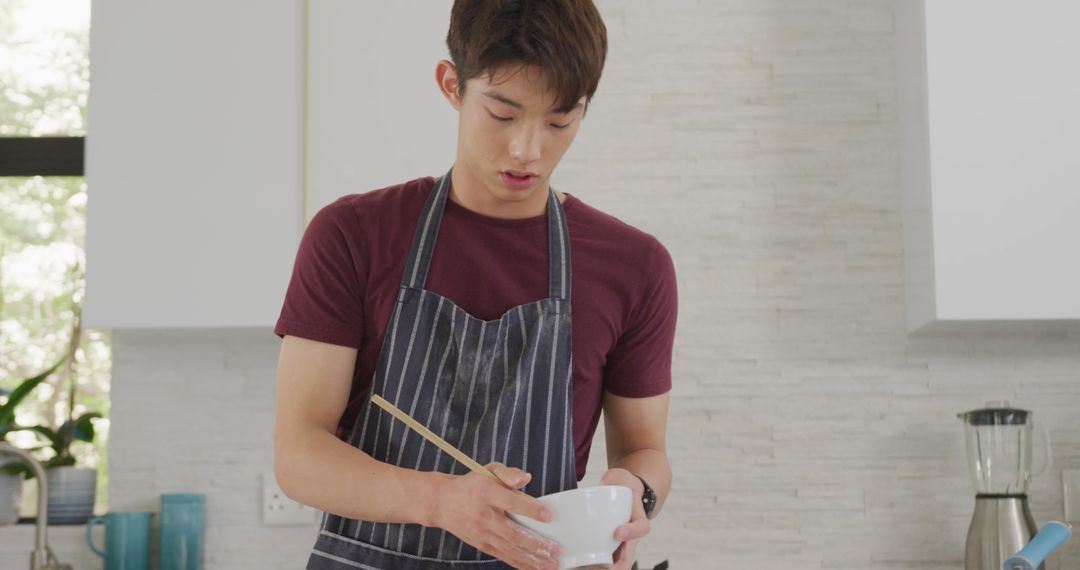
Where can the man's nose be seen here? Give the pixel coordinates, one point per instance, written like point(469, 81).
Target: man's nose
point(525, 145)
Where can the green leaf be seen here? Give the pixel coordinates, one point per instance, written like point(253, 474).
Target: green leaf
point(7, 411)
point(65, 435)
point(59, 461)
point(17, 468)
point(48, 433)
point(84, 428)
point(81, 429)
point(45, 431)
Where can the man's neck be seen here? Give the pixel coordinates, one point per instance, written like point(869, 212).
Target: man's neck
point(467, 192)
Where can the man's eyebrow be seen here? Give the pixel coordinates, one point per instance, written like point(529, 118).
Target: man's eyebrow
point(504, 99)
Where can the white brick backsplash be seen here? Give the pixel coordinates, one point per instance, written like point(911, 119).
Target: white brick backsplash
point(68, 543)
point(757, 140)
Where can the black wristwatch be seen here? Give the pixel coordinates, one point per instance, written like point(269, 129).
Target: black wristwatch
point(648, 498)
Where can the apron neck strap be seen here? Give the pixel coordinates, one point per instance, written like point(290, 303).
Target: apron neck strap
point(427, 231)
point(558, 249)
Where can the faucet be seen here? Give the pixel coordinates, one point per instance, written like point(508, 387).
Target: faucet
point(42, 557)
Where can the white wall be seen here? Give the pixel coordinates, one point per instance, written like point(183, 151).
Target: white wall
point(807, 429)
point(68, 544)
point(193, 158)
point(377, 117)
point(193, 411)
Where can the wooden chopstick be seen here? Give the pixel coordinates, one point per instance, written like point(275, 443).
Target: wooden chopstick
point(435, 439)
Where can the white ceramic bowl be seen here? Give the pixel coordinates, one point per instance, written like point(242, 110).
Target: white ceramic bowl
point(584, 524)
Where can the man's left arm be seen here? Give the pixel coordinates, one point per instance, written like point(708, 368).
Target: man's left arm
point(637, 381)
point(635, 430)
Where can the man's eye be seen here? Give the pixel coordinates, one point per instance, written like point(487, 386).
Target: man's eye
point(498, 118)
point(560, 126)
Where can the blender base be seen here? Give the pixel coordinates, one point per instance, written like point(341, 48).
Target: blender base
point(1000, 527)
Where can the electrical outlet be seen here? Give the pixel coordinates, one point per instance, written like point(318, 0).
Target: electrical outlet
point(1070, 479)
point(279, 510)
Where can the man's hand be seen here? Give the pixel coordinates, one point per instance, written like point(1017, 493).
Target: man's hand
point(639, 525)
point(473, 508)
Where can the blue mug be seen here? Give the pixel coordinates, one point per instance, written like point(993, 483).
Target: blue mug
point(183, 528)
point(127, 540)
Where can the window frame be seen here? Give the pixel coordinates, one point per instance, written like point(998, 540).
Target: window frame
point(42, 156)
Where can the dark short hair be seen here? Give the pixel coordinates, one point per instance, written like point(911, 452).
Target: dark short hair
point(566, 39)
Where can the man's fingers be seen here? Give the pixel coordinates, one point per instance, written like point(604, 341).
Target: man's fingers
point(625, 555)
point(511, 477)
point(522, 504)
point(633, 530)
point(532, 508)
point(507, 551)
point(530, 541)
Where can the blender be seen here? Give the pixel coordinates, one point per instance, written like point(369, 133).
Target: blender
point(999, 446)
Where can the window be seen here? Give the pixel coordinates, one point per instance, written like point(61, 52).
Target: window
point(44, 84)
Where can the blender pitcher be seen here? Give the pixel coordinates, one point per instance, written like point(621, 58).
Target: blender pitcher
point(999, 447)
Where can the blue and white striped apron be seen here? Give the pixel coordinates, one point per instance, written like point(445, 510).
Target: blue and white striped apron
point(498, 390)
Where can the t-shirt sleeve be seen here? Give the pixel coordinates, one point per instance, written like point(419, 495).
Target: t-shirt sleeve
point(324, 299)
point(639, 365)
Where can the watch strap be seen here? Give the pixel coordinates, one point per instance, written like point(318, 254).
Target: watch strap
point(648, 497)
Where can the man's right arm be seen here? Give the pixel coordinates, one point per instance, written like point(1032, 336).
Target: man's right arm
point(313, 466)
point(316, 468)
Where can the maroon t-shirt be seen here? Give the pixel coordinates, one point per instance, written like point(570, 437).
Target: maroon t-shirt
point(349, 264)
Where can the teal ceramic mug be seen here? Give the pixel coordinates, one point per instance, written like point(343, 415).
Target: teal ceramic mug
point(127, 540)
point(183, 530)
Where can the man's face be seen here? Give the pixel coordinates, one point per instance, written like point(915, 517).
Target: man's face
point(509, 126)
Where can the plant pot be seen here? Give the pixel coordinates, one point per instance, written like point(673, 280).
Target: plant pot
point(10, 494)
point(72, 491)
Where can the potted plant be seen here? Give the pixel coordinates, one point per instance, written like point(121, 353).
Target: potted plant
point(72, 489)
point(12, 470)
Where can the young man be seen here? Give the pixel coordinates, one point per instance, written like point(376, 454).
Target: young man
point(460, 299)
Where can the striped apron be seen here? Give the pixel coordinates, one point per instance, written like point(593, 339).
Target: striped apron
point(498, 390)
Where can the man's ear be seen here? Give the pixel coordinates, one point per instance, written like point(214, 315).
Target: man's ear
point(447, 78)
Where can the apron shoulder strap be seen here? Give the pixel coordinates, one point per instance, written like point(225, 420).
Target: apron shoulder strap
point(558, 250)
point(427, 230)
